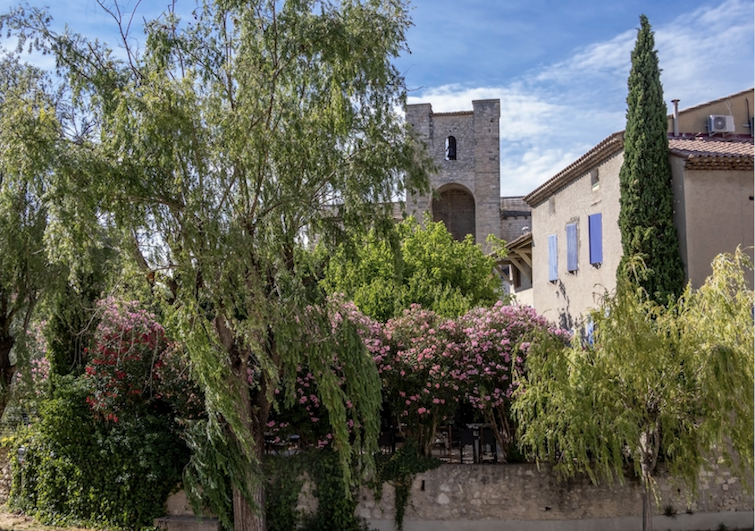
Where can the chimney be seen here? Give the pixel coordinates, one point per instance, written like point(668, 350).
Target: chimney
point(676, 117)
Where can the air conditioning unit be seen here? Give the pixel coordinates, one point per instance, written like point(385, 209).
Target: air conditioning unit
point(720, 123)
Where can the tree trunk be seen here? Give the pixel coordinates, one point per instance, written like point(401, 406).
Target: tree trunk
point(649, 448)
point(647, 506)
point(244, 517)
point(253, 412)
point(251, 516)
point(502, 430)
point(7, 370)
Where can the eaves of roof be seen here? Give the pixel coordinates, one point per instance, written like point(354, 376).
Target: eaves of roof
point(607, 148)
point(704, 153)
point(522, 241)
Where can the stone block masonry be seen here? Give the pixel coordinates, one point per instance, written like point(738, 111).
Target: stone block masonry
point(467, 185)
point(515, 494)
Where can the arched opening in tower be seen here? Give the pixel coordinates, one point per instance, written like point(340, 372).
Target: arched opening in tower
point(456, 209)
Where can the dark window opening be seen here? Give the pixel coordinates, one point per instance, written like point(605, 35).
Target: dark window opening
point(450, 148)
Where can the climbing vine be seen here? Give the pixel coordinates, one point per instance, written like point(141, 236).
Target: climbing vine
point(399, 469)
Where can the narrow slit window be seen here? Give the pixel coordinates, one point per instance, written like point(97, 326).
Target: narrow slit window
point(450, 148)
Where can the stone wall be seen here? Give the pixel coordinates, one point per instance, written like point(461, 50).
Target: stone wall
point(523, 492)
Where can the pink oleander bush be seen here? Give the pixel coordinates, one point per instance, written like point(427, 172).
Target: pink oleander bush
point(415, 363)
point(134, 365)
point(492, 349)
point(122, 368)
point(304, 414)
point(429, 366)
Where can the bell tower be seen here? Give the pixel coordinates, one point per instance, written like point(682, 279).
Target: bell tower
point(466, 190)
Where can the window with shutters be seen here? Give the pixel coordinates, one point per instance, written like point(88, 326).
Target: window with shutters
point(595, 228)
point(552, 258)
point(572, 262)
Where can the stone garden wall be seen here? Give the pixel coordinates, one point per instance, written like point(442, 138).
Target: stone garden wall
point(524, 492)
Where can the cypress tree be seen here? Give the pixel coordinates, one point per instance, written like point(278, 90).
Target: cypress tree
point(647, 203)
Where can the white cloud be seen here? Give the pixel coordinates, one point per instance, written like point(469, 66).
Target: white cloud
point(603, 58)
point(552, 115)
point(707, 53)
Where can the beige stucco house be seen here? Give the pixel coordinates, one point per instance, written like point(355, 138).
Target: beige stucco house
point(575, 245)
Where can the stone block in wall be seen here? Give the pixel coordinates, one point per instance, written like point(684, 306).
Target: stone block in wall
point(524, 492)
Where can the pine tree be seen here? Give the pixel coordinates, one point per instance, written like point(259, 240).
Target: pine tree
point(647, 204)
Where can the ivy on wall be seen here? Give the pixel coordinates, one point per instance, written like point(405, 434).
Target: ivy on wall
point(336, 503)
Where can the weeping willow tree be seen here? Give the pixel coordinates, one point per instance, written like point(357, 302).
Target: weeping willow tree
point(27, 147)
point(658, 382)
point(222, 146)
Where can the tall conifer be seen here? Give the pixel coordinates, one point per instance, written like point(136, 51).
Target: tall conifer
point(647, 202)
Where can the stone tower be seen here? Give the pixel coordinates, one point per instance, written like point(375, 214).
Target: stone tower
point(465, 147)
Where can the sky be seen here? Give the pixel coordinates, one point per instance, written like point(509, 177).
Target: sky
point(559, 67)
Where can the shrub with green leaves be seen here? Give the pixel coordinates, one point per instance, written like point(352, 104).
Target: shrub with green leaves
point(106, 450)
point(76, 468)
point(422, 264)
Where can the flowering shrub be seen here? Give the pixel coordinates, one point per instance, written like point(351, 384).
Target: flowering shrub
point(122, 370)
point(304, 413)
point(415, 363)
point(429, 366)
point(174, 383)
point(107, 449)
point(492, 351)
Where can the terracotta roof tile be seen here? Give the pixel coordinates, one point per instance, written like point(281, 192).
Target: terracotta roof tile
point(735, 152)
point(714, 153)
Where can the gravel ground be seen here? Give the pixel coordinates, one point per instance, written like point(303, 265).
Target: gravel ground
point(15, 522)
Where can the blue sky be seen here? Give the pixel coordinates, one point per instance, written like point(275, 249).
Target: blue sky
point(559, 67)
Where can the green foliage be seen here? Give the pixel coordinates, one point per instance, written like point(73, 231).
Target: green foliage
point(209, 474)
point(218, 148)
point(71, 312)
point(335, 508)
point(672, 383)
point(76, 469)
point(647, 209)
point(285, 479)
point(286, 476)
point(416, 265)
point(70, 308)
point(28, 128)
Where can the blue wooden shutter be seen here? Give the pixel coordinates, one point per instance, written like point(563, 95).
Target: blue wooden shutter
point(571, 247)
point(595, 224)
point(552, 258)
